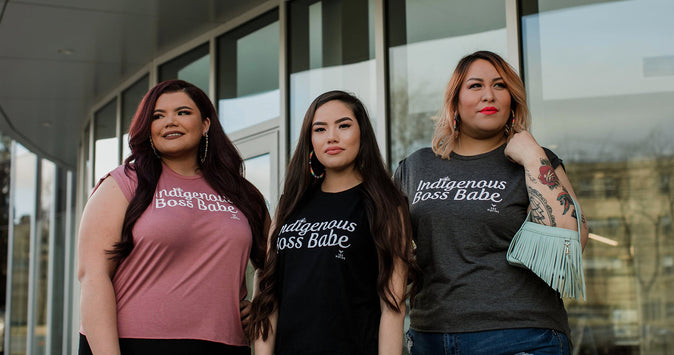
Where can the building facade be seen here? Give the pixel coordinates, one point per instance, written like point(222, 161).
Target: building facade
point(598, 75)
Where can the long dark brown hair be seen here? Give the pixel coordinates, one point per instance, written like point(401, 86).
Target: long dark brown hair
point(383, 202)
point(223, 170)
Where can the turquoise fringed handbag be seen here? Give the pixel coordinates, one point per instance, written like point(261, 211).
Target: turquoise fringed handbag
point(552, 253)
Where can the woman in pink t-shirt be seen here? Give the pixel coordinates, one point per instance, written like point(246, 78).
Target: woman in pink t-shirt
point(165, 238)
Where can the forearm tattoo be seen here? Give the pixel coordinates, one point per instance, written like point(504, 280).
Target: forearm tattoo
point(547, 174)
point(582, 216)
point(540, 210)
point(566, 201)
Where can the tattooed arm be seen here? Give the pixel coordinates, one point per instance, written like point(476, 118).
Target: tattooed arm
point(549, 189)
point(564, 180)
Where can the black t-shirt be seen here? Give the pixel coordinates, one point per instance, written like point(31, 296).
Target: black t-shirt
point(328, 301)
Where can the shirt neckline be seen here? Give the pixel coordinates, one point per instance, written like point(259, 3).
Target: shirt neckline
point(170, 171)
point(499, 149)
point(340, 192)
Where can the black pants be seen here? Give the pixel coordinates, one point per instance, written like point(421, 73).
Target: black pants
point(169, 347)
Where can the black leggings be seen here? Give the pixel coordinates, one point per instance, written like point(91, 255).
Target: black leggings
point(169, 347)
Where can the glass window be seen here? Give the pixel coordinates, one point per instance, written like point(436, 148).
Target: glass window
point(598, 76)
point(5, 166)
point(67, 202)
point(258, 171)
point(57, 261)
point(665, 180)
point(44, 232)
point(88, 172)
point(328, 51)
point(248, 73)
point(24, 199)
point(131, 98)
point(106, 146)
point(193, 67)
point(426, 40)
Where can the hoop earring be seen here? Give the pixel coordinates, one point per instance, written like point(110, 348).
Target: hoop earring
point(203, 158)
point(154, 150)
point(456, 125)
point(311, 168)
point(510, 126)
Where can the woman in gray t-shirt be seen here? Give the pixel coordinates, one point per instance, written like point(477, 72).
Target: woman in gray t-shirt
point(468, 196)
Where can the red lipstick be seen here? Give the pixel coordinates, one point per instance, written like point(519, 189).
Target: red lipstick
point(489, 110)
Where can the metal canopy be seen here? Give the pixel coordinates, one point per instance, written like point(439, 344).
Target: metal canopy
point(60, 57)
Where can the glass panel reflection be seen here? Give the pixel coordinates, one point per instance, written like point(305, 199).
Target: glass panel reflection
point(329, 51)
point(24, 198)
point(131, 97)
point(599, 82)
point(106, 146)
point(5, 171)
point(248, 73)
point(426, 40)
point(88, 172)
point(193, 67)
point(258, 172)
point(44, 230)
point(57, 263)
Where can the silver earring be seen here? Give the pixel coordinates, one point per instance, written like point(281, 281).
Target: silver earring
point(203, 158)
point(154, 150)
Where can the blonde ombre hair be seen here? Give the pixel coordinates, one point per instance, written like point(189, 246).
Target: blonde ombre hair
point(444, 135)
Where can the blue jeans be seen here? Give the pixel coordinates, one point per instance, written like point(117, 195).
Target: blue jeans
point(502, 341)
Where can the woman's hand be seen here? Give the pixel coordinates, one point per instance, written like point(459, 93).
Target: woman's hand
point(523, 149)
point(549, 189)
point(244, 309)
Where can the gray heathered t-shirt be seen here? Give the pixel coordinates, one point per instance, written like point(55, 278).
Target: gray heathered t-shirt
point(465, 211)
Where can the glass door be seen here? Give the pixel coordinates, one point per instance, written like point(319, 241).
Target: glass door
point(260, 153)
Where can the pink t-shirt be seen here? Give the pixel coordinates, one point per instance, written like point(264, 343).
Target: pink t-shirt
point(186, 274)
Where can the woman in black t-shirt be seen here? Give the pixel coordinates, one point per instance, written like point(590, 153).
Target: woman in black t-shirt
point(338, 258)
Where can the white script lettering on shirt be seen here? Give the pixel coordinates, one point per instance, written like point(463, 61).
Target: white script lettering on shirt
point(302, 226)
point(315, 239)
point(177, 197)
point(177, 192)
point(468, 190)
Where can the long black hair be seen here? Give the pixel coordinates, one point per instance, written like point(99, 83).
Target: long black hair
point(385, 204)
point(222, 168)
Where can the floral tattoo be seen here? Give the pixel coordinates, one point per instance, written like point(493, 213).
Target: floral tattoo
point(547, 175)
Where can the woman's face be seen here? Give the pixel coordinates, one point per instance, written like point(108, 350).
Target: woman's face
point(484, 101)
point(335, 136)
point(177, 126)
